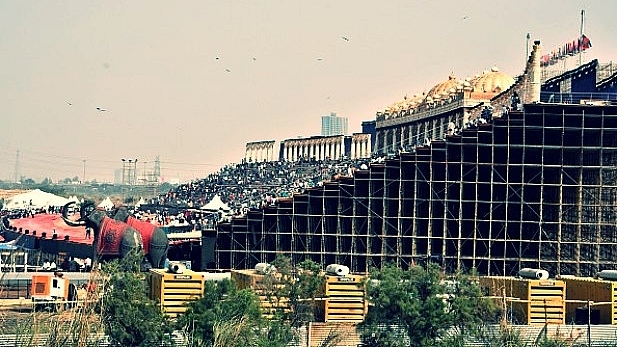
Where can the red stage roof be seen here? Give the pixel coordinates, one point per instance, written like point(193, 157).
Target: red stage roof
point(47, 223)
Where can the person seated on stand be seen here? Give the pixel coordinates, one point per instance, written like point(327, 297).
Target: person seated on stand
point(46, 265)
point(65, 264)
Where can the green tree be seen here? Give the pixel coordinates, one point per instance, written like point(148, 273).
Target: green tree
point(300, 285)
point(418, 307)
point(130, 318)
point(54, 189)
point(227, 316)
point(27, 181)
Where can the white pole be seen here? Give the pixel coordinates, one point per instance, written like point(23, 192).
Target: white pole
point(527, 47)
point(580, 53)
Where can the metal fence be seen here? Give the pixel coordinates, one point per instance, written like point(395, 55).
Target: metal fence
point(20, 288)
point(575, 335)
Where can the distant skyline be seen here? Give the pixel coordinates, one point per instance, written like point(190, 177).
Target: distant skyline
point(84, 84)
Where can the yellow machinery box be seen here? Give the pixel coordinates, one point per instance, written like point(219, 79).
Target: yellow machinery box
point(530, 301)
point(265, 286)
point(248, 279)
point(345, 286)
point(173, 290)
point(601, 293)
point(344, 299)
point(344, 296)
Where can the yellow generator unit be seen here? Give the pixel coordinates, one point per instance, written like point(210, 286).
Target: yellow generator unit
point(265, 282)
point(344, 295)
point(600, 293)
point(172, 288)
point(529, 301)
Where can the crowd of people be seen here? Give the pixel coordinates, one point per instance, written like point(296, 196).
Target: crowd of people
point(71, 264)
point(242, 187)
point(254, 185)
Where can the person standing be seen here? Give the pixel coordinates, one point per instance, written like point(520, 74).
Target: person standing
point(87, 264)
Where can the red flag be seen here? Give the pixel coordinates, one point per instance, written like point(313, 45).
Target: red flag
point(585, 42)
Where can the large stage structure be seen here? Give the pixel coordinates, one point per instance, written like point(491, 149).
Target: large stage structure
point(526, 178)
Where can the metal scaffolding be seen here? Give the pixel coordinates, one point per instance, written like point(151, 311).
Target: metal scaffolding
point(536, 188)
point(532, 186)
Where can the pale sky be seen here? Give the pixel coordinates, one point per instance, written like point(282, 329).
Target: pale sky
point(193, 81)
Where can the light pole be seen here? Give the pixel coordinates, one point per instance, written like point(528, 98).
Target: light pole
point(134, 172)
point(130, 173)
point(123, 171)
point(83, 178)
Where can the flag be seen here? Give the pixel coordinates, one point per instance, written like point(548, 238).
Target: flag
point(585, 42)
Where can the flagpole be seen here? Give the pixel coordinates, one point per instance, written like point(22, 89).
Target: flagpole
point(580, 54)
point(527, 47)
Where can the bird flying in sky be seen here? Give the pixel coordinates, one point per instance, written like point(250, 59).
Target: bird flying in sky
point(101, 109)
point(345, 38)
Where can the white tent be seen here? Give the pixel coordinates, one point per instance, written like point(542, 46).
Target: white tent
point(216, 204)
point(107, 204)
point(35, 199)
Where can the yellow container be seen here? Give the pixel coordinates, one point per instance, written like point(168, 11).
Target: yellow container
point(172, 290)
point(345, 286)
point(266, 287)
point(602, 294)
point(344, 299)
point(344, 296)
point(530, 301)
point(342, 310)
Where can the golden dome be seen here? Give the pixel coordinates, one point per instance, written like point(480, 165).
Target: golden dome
point(443, 89)
point(493, 81)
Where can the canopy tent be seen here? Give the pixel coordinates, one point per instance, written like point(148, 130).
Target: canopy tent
point(35, 199)
point(216, 204)
point(107, 204)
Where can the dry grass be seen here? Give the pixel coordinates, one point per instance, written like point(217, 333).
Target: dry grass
point(54, 325)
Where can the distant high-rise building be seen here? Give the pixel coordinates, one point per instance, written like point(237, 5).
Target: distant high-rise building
point(117, 176)
point(333, 125)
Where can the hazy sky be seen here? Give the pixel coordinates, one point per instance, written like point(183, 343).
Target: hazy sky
point(192, 81)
